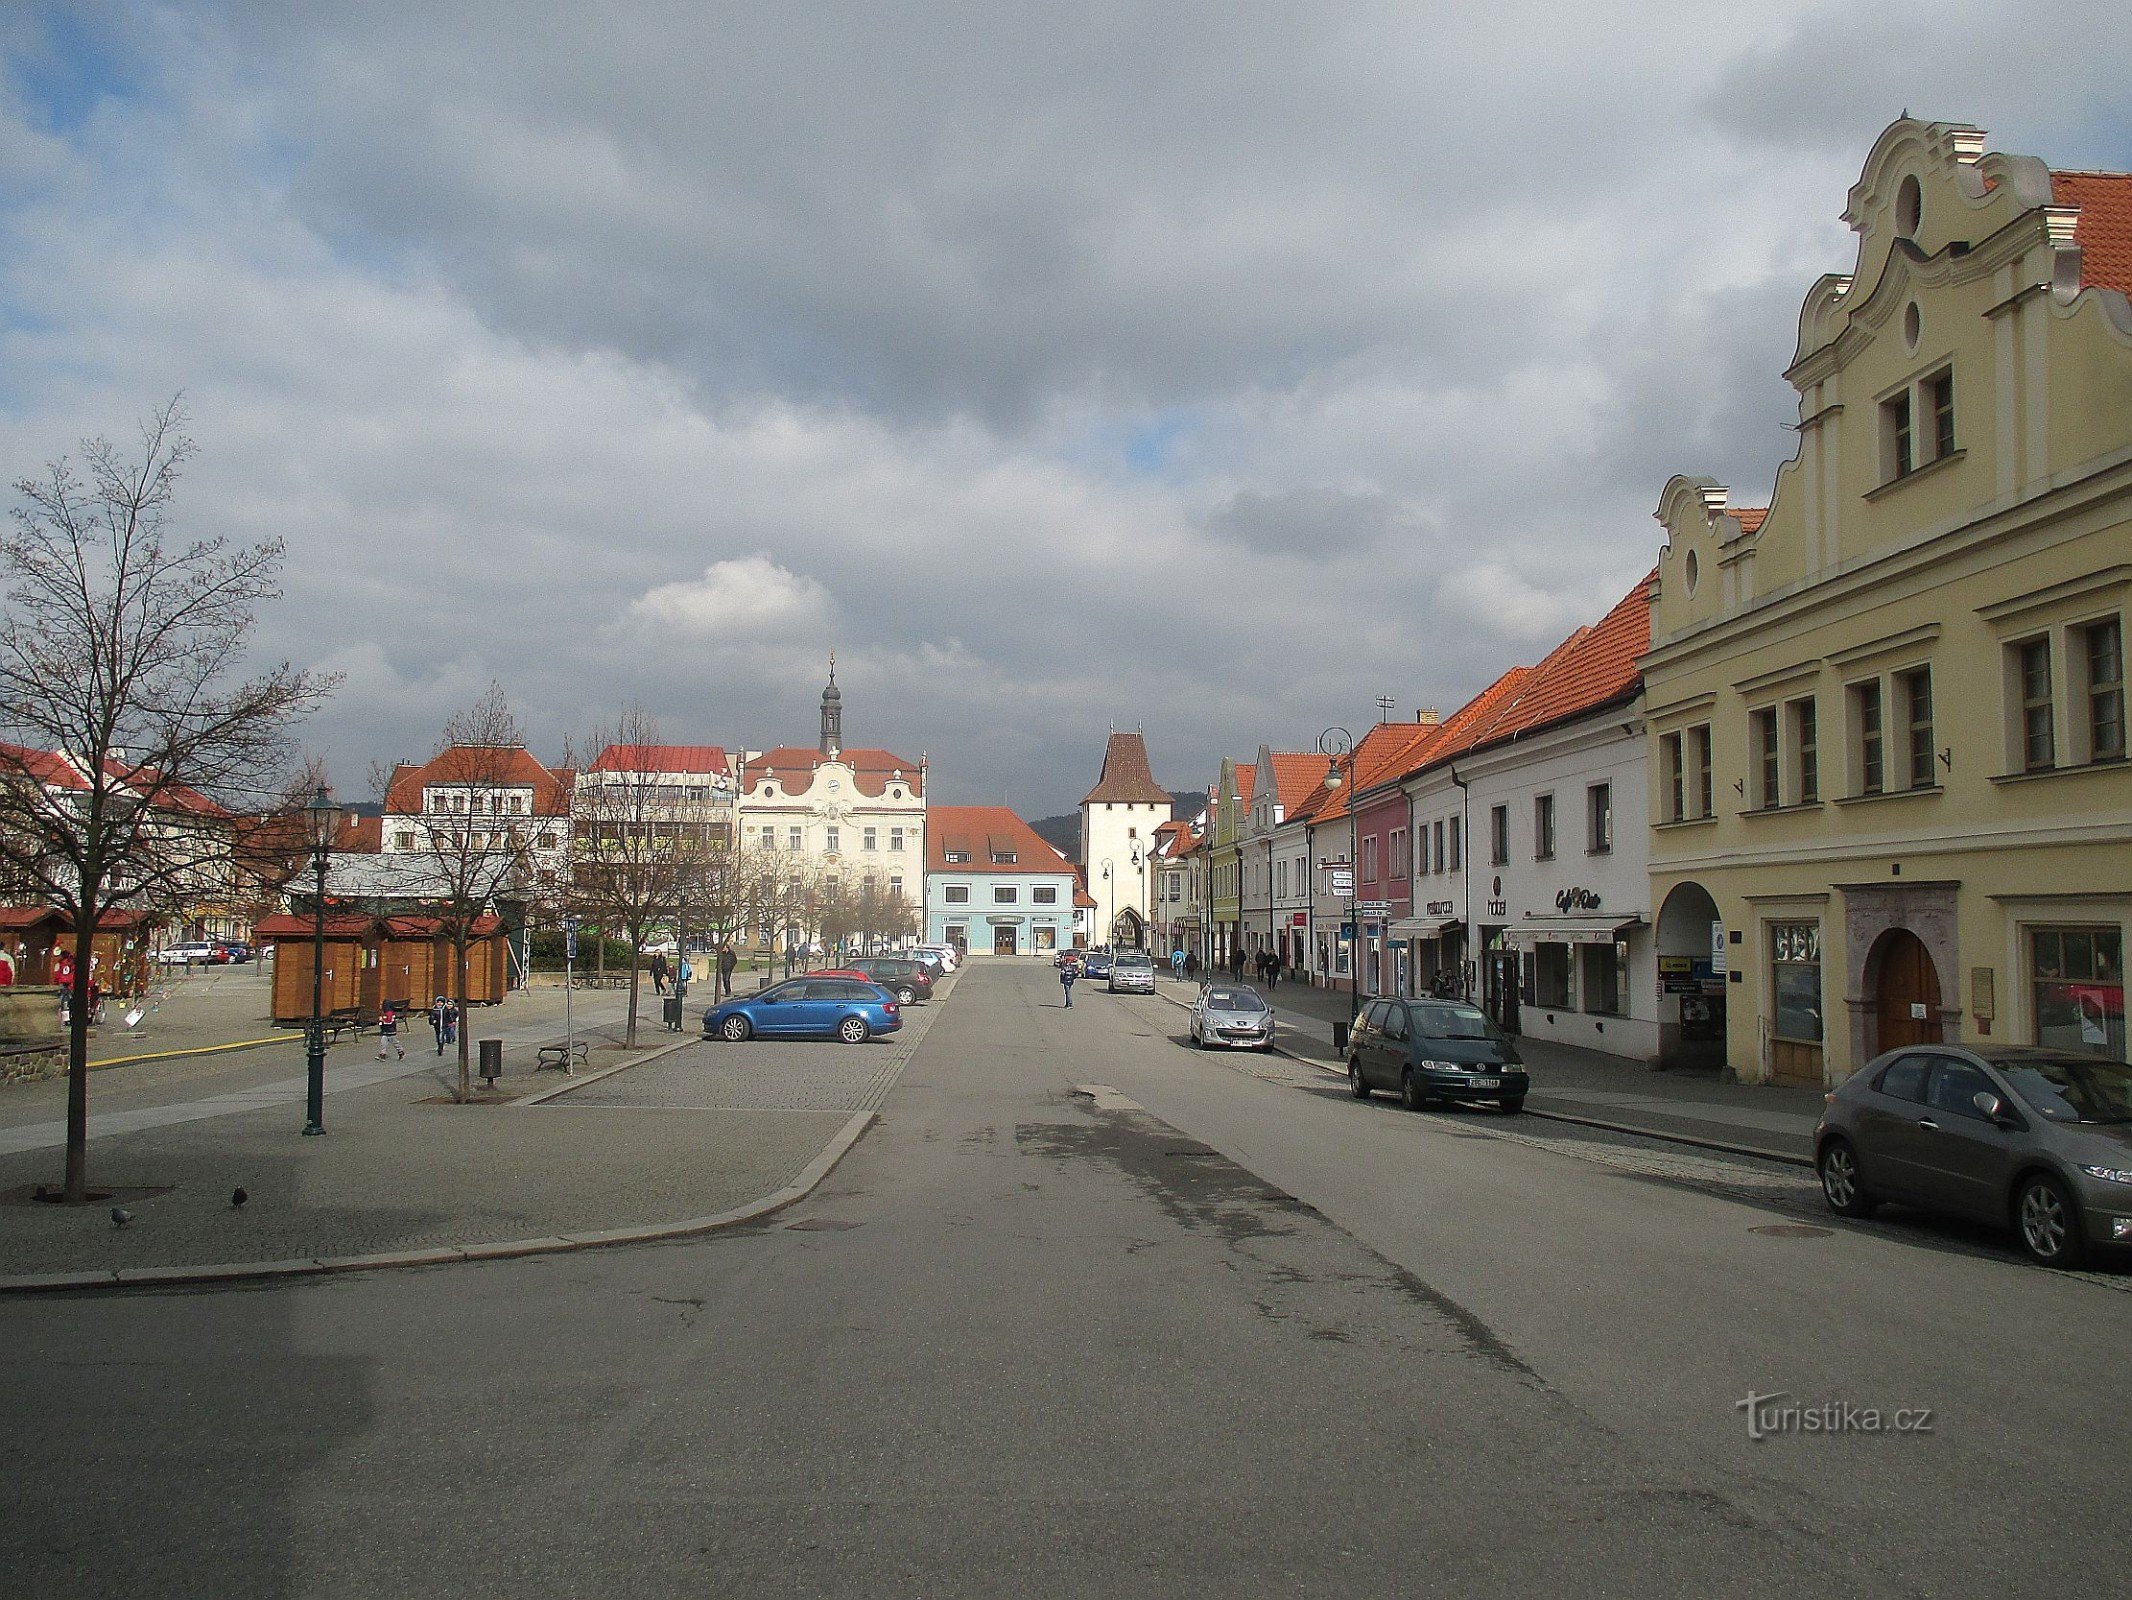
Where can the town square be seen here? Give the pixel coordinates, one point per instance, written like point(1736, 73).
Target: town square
point(1307, 799)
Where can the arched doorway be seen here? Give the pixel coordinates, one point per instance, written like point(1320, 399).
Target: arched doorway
point(1906, 991)
point(1691, 977)
point(1125, 933)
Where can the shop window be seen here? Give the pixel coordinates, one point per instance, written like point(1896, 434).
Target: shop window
point(1605, 977)
point(1795, 973)
point(2105, 643)
point(1599, 818)
point(1768, 794)
point(1550, 976)
point(2079, 980)
point(1806, 750)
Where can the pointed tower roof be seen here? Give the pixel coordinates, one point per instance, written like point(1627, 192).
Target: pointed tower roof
point(1127, 778)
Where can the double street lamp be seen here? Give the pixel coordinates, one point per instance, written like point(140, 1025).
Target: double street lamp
point(321, 819)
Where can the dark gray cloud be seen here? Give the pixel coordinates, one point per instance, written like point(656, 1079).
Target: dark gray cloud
point(1202, 367)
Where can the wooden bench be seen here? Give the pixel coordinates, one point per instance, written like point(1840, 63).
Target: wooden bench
point(564, 1058)
point(348, 1019)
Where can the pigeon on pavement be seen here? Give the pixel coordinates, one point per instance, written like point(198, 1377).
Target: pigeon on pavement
point(120, 1216)
point(237, 1200)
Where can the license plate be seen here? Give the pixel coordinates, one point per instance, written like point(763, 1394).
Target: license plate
point(1486, 1083)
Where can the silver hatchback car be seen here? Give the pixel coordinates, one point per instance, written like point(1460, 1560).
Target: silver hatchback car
point(1132, 972)
point(2033, 1139)
point(1231, 1015)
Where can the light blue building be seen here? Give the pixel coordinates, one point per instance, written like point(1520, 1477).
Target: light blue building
point(993, 886)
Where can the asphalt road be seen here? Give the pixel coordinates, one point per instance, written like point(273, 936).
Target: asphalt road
point(1215, 1329)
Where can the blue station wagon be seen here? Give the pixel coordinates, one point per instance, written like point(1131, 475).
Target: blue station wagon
point(807, 1008)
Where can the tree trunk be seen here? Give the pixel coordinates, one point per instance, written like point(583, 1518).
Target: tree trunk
point(466, 1077)
point(77, 1180)
point(629, 1034)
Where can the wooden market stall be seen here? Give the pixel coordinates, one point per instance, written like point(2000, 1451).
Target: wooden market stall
point(403, 959)
point(34, 935)
point(291, 940)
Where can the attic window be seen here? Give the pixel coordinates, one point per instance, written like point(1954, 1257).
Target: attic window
point(1694, 571)
point(1909, 208)
point(958, 857)
point(895, 794)
point(1003, 858)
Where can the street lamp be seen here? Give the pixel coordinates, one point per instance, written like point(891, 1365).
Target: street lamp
point(1110, 899)
point(321, 818)
point(1334, 743)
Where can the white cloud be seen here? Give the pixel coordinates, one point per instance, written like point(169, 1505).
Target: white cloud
point(745, 599)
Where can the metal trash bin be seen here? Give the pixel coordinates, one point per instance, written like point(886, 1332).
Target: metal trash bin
point(673, 1013)
point(1339, 1038)
point(491, 1060)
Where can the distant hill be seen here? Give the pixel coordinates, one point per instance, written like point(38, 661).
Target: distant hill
point(1064, 832)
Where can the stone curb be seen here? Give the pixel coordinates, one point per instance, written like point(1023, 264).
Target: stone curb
point(541, 1097)
point(810, 1176)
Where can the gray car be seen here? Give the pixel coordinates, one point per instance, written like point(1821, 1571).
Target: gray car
point(1132, 971)
point(2032, 1139)
point(1233, 1016)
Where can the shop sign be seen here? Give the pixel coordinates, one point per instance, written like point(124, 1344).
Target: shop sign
point(1443, 908)
point(1576, 900)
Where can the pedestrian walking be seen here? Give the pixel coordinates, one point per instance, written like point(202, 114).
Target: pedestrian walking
point(658, 972)
point(438, 1022)
point(1191, 966)
point(727, 961)
point(1273, 970)
point(1177, 963)
point(389, 1034)
point(1236, 965)
point(1067, 974)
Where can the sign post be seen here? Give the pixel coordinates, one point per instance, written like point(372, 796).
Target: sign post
point(569, 983)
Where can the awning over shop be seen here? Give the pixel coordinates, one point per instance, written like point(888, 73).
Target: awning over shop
point(1568, 930)
point(1423, 927)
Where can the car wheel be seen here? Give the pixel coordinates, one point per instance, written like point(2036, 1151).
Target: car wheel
point(907, 995)
point(1841, 1185)
point(2049, 1224)
point(1513, 1105)
point(734, 1029)
point(1357, 1085)
point(852, 1030)
point(1410, 1094)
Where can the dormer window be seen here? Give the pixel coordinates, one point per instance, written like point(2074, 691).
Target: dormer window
point(957, 858)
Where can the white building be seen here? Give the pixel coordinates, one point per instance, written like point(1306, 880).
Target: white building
point(1119, 817)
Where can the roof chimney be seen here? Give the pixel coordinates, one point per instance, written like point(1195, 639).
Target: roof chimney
point(1426, 716)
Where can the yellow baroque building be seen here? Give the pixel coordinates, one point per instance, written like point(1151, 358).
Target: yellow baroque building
point(1889, 792)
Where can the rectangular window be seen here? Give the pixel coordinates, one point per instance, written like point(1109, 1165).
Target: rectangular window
point(2039, 735)
point(2106, 690)
point(1669, 750)
point(769, 838)
point(1599, 819)
point(1454, 832)
point(1705, 804)
point(1899, 449)
point(1865, 705)
point(1005, 894)
point(1543, 827)
point(795, 840)
point(958, 857)
point(1438, 849)
point(1939, 389)
point(1369, 859)
point(1795, 972)
point(1768, 794)
point(895, 838)
point(895, 885)
point(2079, 981)
point(1806, 750)
point(1399, 855)
point(833, 838)
point(1498, 835)
point(1604, 968)
point(956, 894)
point(1550, 975)
point(870, 839)
point(1917, 706)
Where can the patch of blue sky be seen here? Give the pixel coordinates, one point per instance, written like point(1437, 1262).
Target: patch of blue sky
point(64, 65)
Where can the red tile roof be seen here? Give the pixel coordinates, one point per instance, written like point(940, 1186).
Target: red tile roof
point(1594, 667)
point(1127, 779)
point(983, 833)
point(482, 766)
point(53, 771)
point(706, 758)
point(1750, 518)
point(871, 770)
point(360, 836)
point(2104, 228)
point(1295, 774)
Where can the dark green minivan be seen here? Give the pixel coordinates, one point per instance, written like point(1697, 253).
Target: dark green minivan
point(1431, 1051)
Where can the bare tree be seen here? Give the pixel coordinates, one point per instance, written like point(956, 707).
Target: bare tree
point(642, 838)
point(475, 827)
point(123, 712)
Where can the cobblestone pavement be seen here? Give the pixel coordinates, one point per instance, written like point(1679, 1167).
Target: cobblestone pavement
point(403, 1169)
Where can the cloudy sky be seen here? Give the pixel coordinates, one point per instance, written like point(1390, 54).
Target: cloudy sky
point(1212, 368)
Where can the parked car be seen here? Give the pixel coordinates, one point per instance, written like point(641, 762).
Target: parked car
point(191, 953)
point(1132, 972)
point(235, 951)
point(945, 954)
point(835, 972)
point(1430, 1051)
point(1233, 1015)
point(2033, 1139)
point(807, 1008)
point(910, 981)
point(1067, 961)
point(1095, 963)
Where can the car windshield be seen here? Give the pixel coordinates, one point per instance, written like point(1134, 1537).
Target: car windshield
point(1439, 1021)
point(1234, 1000)
point(1134, 961)
point(2073, 1088)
